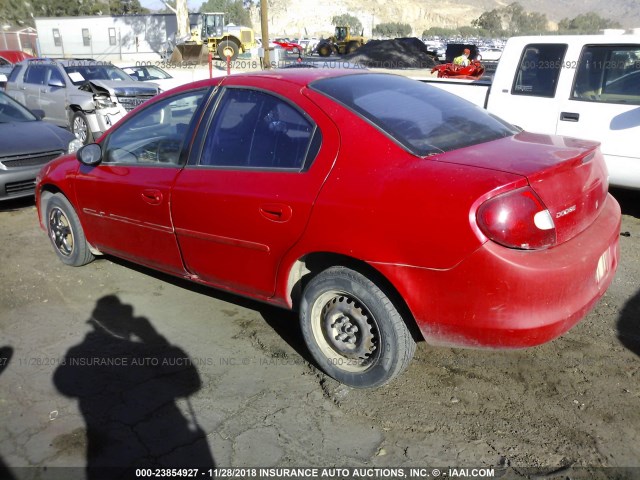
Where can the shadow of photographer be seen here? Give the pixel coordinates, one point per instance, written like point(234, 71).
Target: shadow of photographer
point(127, 377)
point(6, 353)
point(629, 324)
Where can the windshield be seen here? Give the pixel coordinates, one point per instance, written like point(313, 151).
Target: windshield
point(79, 74)
point(12, 111)
point(423, 119)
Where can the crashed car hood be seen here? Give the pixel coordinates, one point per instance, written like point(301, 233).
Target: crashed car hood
point(21, 138)
point(120, 87)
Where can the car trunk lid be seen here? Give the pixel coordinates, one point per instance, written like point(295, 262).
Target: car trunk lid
point(569, 175)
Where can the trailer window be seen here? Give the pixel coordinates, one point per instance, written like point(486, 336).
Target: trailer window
point(539, 69)
point(608, 74)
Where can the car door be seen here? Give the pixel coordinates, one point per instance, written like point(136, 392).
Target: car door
point(33, 81)
point(125, 200)
point(527, 99)
point(50, 97)
point(246, 196)
point(605, 105)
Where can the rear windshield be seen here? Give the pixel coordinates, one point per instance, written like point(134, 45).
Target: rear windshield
point(423, 119)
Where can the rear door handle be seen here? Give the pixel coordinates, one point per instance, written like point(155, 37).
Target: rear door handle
point(152, 196)
point(276, 212)
point(569, 117)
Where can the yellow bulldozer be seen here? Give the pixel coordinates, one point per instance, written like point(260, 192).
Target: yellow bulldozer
point(210, 35)
point(342, 42)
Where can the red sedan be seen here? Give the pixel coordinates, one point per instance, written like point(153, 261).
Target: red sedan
point(382, 209)
point(289, 46)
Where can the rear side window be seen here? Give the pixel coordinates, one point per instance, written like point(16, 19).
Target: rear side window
point(423, 119)
point(608, 74)
point(539, 69)
point(254, 129)
point(35, 74)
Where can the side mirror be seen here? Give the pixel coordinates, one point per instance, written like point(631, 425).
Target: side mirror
point(90, 155)
point(57, 83)
point(38, 113)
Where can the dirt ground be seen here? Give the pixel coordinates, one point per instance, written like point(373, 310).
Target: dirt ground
point(246, 394)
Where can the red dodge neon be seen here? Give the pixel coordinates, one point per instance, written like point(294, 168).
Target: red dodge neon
point(382, 209)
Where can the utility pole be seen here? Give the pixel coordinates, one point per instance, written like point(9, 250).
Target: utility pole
point(264, 26)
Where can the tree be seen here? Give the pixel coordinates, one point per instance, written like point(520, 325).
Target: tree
point(234, 10)
point(126, 7)
point(589, 22)
point(439, 32)
point(491, 21)
point(518, 20)
point(510, 20)
point(392, 30)
point(182, 17)
point(347, 20)
point(16, 12)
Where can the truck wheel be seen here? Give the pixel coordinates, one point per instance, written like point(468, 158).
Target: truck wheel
point(324, 50)
point(65, 232)
point(227, 48)
point(80, 128)
point(352, 329)
point(351, 47)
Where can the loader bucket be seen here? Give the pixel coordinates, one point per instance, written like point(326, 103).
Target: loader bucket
point(190, 53)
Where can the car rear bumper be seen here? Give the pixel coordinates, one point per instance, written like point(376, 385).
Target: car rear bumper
point(505, 298)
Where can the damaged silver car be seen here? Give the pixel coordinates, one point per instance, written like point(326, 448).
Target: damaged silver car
point(85, 96)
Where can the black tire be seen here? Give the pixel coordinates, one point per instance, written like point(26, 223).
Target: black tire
point(352, 329)
point(225, 47)
point(80, 128)
point(324, 50)
point(351, 47)
point(65, 232)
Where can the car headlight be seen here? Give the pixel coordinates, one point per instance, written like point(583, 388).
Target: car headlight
point(74, 145)
point(103, 102)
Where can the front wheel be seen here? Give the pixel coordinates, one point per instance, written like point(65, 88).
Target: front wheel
point(352, 329)
point(65, 232)
point(324, 50)
point(80, 128)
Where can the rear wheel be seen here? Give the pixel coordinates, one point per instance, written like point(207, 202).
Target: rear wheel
point(65, 232)
point(352, 329)
point(228, 48)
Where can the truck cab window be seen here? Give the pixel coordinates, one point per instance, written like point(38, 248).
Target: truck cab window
point(539, 69)
point(608, 74)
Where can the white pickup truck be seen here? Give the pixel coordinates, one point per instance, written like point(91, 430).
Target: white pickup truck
point(585, 86)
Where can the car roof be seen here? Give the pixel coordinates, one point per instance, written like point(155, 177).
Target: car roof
point(14, 56)
point(302, 76)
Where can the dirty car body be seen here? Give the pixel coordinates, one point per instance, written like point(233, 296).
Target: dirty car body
point(86, 96)
point(446, 223)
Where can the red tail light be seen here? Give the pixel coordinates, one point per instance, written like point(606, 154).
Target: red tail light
point(517, 219)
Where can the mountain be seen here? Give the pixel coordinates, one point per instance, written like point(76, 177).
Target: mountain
point(312, 18)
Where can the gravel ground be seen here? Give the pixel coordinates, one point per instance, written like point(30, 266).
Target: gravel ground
point(249, 397)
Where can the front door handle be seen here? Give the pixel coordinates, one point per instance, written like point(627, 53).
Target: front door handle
point(276, 212)
point(569, 117)
point(152, 196)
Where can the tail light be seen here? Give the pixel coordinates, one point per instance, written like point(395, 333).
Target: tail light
point(518, 219)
